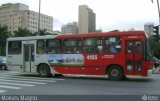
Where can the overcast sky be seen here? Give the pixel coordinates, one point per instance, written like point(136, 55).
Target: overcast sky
point(110, 14)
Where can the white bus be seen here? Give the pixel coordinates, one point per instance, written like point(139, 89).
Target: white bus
point(27, 54)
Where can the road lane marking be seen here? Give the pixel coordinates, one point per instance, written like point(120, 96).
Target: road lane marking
point(31, 77)
point(9, 87)
point(5, 71)
point(23, 81)
point(2, 91)
point(17, 84)
point(11, 72)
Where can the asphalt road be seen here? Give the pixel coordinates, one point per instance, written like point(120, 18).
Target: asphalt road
point(13, 83)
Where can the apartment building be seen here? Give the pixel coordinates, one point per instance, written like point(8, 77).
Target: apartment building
point(86, 19)
point(18, 15)
point(69, 28)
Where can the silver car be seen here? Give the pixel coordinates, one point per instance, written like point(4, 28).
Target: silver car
point(3, 65)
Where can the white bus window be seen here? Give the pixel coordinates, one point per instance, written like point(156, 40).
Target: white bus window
point(40, 46)
point(14, 47)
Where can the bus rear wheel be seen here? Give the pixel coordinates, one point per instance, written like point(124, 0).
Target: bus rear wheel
point(44, 70)
point(115, 73)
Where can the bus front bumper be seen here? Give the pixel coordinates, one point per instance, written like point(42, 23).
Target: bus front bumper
point(149, 72)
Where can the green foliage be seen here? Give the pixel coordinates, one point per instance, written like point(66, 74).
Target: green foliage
point(156, 48)
point(22, 32)
point(41, 33)
point(4, 34)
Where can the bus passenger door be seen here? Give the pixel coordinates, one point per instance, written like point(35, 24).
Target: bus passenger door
point(134, 56)
point(28, 57)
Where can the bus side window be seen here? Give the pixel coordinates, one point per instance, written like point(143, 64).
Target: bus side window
point(93, 45)
point(106, 45)
point(40, 46)
point(112, 45)
point(14, 47)
point(72, 46)
point(53, 46)
point(99, 45)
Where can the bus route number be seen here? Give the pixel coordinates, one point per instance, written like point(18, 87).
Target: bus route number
point(92, 57)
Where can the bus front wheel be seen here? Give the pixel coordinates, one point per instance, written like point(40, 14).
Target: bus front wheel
point(115, 73)
point(44, 70)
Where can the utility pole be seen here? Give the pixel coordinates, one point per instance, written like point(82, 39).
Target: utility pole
point(158, 10)
point(39, 16)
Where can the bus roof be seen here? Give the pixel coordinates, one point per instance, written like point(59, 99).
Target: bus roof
point(93, 34)
point(31, 38)
point(96, 34)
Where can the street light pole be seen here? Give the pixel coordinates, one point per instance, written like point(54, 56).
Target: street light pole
point(39, 16)
point(158, 10)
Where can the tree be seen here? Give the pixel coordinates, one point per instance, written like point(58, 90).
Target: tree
point(4, 34)
point(42, 32)
point(155, 46)
point(156, 49)
point(22, 32)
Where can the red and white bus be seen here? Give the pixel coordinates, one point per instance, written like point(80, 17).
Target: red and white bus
point(116, 54)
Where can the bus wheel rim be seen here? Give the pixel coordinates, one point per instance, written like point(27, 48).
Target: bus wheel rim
point(114, 73)
point(43, 71)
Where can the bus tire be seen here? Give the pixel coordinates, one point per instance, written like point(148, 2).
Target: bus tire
point(44, 70)
point(58, 75)
point(124, 77)
point(115, 73)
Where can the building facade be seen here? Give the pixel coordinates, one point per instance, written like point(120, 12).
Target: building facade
point(86, 19)
point(18, 15)
point(69, 28)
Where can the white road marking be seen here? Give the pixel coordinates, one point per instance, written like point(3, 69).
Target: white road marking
point(16, 80)
point(38, 78)
point(23, 81)
point(2, 91)
point(17, 84)
point(10, 72)
point(10, 87)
